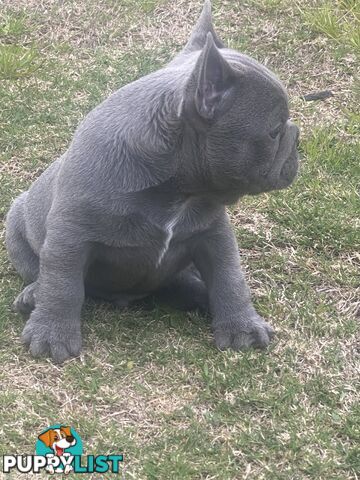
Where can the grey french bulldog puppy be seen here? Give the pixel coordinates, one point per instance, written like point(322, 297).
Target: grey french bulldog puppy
point(136, 205)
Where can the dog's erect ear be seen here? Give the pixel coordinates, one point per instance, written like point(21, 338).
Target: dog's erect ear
point(215, 80)
point(66, 430)
point(203, 26)
point(46, 438)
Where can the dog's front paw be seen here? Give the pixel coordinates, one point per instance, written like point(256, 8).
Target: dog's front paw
point(243, 334)
point(60, 338)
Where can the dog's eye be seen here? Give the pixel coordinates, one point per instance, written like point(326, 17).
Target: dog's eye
point(56, 438)
point(274, 133)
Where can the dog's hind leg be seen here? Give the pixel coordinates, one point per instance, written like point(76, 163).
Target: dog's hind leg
point(187, 291)
point(20, 252)
point(21, 255)
point(25, 301)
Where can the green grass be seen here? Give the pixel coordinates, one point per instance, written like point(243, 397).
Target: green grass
point(340, 21)
point(150, 383)
point(12, 26)
point(17, 61)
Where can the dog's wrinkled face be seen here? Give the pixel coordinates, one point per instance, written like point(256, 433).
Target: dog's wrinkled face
point(251, 144)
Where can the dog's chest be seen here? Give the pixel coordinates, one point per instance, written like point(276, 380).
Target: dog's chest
point(140, 250)
point(169, 228)
point(152, 236)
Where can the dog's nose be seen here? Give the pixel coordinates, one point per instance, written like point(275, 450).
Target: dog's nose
point(70, 438)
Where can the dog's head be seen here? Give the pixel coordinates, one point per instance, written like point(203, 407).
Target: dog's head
point(58, 439)
point(240, 111)
point(215, 119)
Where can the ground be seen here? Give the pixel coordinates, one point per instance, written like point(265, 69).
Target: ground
point(150, 383)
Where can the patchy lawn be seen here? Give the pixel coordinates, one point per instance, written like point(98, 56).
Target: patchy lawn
point(150, 384)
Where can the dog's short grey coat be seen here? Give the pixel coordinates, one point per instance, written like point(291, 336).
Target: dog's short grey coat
point(137, 203)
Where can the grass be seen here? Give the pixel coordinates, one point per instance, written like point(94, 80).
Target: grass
point(150, 384)
point(340, 22)
point(17, 61)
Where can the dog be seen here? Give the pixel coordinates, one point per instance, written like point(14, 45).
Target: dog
point(137, 204)
point(58, 439)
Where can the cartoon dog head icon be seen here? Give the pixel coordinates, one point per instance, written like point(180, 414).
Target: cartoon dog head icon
point(58, 439)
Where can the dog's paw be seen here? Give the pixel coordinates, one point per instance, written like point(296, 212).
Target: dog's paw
point(240, 335)
point(60, 339)
point(25, 301)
